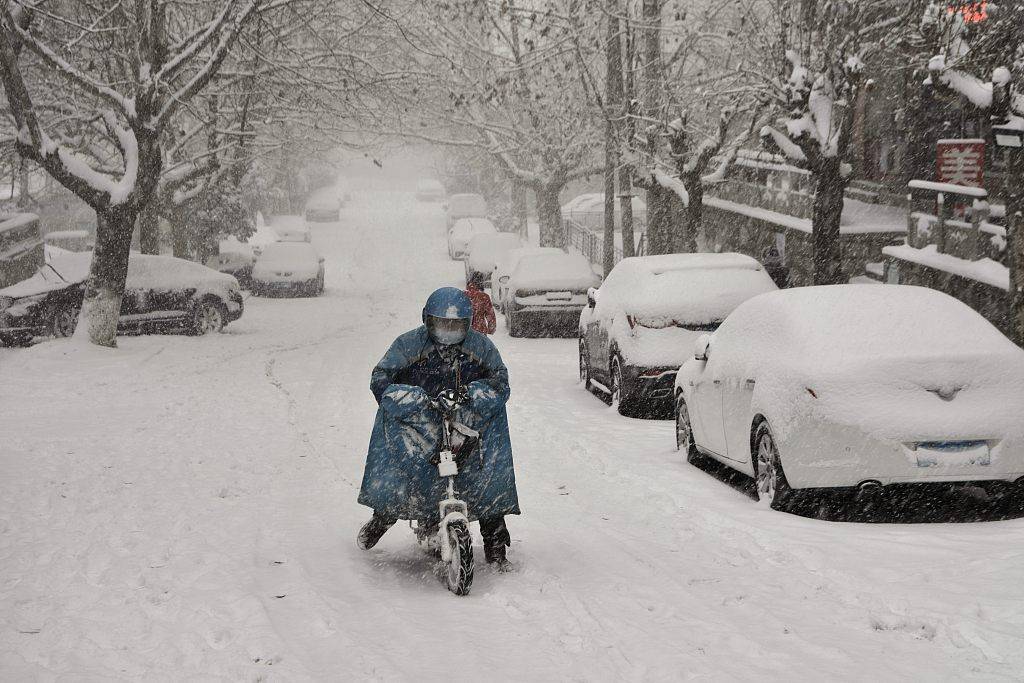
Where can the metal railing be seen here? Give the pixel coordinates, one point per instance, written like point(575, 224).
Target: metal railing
point(583, 240)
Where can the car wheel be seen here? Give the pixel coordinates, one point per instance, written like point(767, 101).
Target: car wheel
point(209, 316)
point(772, 486)
point(64, 321)
point(584, 365)
point(621, 397)
point(684, 433)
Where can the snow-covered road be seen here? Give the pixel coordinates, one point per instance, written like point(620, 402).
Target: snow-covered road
point(185, 508)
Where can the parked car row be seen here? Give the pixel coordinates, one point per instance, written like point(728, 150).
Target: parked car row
point(162, 294)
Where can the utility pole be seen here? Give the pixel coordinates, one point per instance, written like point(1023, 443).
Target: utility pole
point(613, 104)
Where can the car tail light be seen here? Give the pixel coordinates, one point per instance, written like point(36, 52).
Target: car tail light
point(656, 373)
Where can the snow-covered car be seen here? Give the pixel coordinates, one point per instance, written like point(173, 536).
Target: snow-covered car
point(162, 293)
point(547, 293)
point(235, 258)
point(485, 250)
point(323, 207)
point(429, 190)
point(640, 326)
point(506, 265)
point(466, 206)
point(288, 268)
point(462, 231)
point(290, 228)
point(855, 387)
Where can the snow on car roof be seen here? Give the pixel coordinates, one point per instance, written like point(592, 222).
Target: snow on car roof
point(663, 263)
point(554, 271)
point(288, 222)
point(168, 272)
point(682, 288)
point(832, 323)
point(429, 184)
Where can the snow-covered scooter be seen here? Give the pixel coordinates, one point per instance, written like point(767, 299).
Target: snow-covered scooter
point(452, 536)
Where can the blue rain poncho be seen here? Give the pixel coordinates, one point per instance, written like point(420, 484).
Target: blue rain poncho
point(399, 480)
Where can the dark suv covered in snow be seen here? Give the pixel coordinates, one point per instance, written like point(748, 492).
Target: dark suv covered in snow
point(162, 293)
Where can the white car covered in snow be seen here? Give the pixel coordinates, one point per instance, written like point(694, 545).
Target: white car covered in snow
point(290, 228)
point(504, 268)
point(547, 293)
point(484, 252)
point(640, 326)
point(462, 231)
point(288, 268)
point(855, 386)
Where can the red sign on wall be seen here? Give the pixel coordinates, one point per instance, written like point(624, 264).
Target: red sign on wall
point(961, 162)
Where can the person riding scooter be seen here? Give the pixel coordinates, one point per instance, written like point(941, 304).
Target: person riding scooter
point(400, 481)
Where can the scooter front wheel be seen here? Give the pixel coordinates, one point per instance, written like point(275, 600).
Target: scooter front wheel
point(460, 568)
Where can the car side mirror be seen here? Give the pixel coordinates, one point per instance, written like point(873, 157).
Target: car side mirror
point(702, 348)
point(591, 297)
point(504, 279)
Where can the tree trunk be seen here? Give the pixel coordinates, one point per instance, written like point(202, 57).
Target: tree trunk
point(626, 202)
point(549, 214)
point(694, 214)
point(613, 101)
point(149, 229)
point(828, 210)
point(1015, 243)
point(179, 233)
point(519, 219)
point(104, 289)
point(660, 219)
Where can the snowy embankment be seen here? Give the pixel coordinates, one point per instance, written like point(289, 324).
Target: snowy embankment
point(184, 508)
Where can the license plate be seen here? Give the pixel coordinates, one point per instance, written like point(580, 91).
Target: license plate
point(953, 453)
point(559, 296)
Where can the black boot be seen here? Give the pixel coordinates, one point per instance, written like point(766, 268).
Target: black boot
point(496, 539)
point(373, 530)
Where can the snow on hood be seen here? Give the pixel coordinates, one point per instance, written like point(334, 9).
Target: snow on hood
point(554, 272)
point(62, 268)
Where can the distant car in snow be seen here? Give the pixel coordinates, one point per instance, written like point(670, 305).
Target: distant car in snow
point(466, 206)
point(291, 228)
point(484, 252)
point(162, 293)
point(640, 326)
point(429, 190)
point(323, 207)
point(288, 268)
point(462, 231)
point(547, 293)
point(504, 268)
point(853, 387)
point(235, 258)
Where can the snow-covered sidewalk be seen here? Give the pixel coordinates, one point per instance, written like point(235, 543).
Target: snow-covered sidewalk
point(185, 508)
